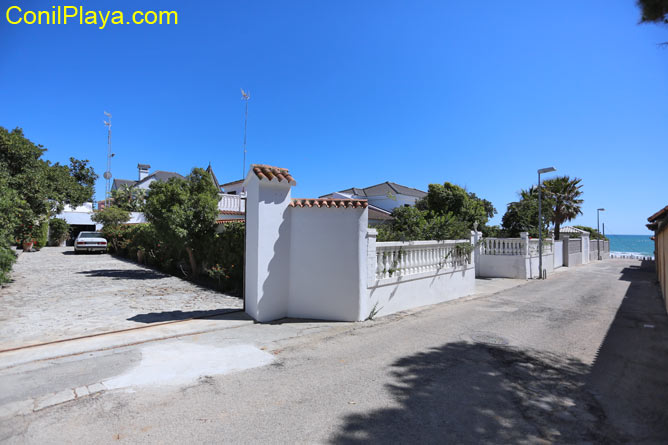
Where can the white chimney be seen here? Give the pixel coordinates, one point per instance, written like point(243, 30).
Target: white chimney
point(143, 170)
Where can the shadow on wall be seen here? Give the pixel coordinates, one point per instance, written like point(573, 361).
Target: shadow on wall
point(485, 393)
point(630, 373)
point(278, 268)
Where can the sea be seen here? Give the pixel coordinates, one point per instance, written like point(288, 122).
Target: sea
point(631, 245)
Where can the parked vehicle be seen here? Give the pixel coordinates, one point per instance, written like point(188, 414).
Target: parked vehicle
point(90, 242)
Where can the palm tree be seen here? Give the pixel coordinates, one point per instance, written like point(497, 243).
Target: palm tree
point(564, 194)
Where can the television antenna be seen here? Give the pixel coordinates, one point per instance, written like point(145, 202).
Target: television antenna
point(107, 174)
point(245, 96)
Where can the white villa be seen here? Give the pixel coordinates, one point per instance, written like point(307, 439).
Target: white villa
point(382, 198)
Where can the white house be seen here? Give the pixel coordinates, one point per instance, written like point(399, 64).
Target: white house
point(144, 178)
point(382, 198)
point(386, 195)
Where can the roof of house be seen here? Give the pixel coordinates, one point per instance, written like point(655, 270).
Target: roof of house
point(658, 215)
point(232, 183)
point(569, 229)
point(269, 173)
point(379, 214)
point(209, 170)
point(383, 189)
point(118, 183)
point(158, 175)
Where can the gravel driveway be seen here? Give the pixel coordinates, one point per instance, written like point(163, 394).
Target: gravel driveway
point(57, 295)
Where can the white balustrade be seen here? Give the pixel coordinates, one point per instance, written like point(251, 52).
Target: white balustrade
point(233, 203)
point(502, 246)
point(399, 259)
point(513, 246)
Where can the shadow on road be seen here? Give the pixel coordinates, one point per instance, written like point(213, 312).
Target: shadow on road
point(158, 317)
point(476, 393)
point(486, 393)
point(125, 274)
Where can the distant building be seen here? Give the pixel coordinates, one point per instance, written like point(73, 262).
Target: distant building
point(572, 231)
point(386, 195)
point(659, 224)
point(382, 198)
point(145, 179)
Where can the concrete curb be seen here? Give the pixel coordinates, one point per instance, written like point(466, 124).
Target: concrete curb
point(118, 339)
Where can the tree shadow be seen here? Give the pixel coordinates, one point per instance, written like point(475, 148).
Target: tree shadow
point(217, 314)
point(465, 392)
point(125, 274)
point(482, 393)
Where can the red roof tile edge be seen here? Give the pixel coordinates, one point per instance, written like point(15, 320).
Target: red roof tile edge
point(269, 172)
point(223, 221)
point(230, 212)
point(330, 203)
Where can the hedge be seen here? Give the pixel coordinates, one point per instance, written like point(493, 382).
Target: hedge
point(221, 263)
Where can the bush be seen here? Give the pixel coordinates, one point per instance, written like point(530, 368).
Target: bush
point(111, 216)
point(42, 234)
point(224, 261)
point(412, 224)
point(593, 233)
point(7, 259)
point(58, 231)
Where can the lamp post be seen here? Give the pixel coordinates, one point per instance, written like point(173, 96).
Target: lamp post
point(540, 221)
point(598, 229)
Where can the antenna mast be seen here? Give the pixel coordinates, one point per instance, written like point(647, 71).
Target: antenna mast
point(245, 96)
point(107, 174)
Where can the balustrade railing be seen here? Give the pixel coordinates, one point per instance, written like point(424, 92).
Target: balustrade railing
point(502, 246)
point(399, 259)
point(232, 203)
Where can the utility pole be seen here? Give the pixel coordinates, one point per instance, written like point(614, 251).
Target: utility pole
point(245, 96)
point(107, 173)
point(540, 222)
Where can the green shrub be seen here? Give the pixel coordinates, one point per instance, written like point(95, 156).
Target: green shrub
point(7, 259)
point(58, 231)
point(593, 233)
point(42, 234)
point(223, 261)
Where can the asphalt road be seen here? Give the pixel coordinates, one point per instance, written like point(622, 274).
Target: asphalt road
point(581, 357)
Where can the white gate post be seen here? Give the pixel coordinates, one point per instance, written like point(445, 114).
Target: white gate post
point(267, 242)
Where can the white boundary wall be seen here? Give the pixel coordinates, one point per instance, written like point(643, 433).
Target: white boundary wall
point(558, 253)
point(321, 262)
point(575, 250)
point(404, 275)
point(511, 257)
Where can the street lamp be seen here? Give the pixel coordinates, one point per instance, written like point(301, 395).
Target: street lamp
point(598, 229)
point(540, 221)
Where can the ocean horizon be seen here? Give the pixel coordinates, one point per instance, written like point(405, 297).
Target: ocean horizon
point(632, 244)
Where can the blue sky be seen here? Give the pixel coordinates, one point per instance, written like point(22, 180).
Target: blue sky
point(350, 93)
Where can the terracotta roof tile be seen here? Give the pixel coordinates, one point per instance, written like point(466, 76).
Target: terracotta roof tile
point(230, 212)
point(269, 173)
point(330, 203)
point(658, 214)
point(223, 221)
